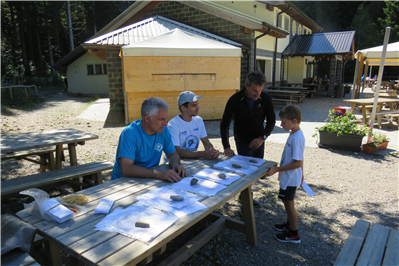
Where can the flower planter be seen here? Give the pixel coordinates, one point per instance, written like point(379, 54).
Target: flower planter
point(368, 149)
point(350, 142)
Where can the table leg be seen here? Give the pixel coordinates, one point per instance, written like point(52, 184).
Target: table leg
point(58, 156)
point(53, 254)
point(364, 113)
point(72, 154)
point(249, 216)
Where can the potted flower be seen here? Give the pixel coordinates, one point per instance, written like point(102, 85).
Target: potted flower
point(376, 143)
point(341, 132)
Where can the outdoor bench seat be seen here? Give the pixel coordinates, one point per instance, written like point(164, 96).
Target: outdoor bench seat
point(284, 101)
point(90, 172)
point(18, 257)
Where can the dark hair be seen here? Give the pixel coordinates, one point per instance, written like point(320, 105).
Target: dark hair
point(185, 105)
point(151, 107)
point(291, 112)
point(255, 77)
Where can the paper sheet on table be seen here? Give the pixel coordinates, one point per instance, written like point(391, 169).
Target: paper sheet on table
point(203, 187)
point(161, 197)
point(196, 206)
point(212, 174)
point(123, 221)
point(248, 160)
point(308, 189)
point(58, 212)
point(227, 166)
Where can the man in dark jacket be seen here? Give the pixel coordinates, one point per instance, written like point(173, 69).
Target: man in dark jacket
point(248, 108)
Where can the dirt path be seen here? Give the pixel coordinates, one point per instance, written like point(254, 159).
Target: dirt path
point(348, 185)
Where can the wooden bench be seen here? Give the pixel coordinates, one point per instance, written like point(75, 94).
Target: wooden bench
point(90, 172)
point(370, 245)
point(388, 113)
point(277, 101)
point(17, 257)
point(46, 155)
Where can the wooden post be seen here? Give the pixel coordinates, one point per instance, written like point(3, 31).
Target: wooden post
point(249, 217)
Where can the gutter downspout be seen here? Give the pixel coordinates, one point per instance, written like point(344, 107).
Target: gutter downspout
point(256, 38)
point(275, 48)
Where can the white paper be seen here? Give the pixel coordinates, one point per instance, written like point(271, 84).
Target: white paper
point(212, 174)
point(308, 189)
point(58, 212)
point(203, 187)
point(104, 206)
point(161, 197)
point(196, 206)
point(123, 221)
point(247, 160)
point(227, 166)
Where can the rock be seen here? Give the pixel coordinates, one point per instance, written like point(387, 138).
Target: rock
point(222, 176)
point(193, 181)
point(142, 224)
point(176, 198)
point(253, 161)
point(236, 165)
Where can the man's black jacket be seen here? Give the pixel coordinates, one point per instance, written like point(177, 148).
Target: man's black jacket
point(247, 125)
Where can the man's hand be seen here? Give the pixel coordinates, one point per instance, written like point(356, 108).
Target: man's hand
point(180, 170)
point(210, 154)
point(255, 143)
point(169, 175)
point(229, 152)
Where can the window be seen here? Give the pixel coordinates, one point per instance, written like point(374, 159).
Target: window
point(287, 23)
point(97, 69)
point(260, 65)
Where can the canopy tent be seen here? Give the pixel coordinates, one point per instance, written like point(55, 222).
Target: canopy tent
point(373, 55)
point(181, 43)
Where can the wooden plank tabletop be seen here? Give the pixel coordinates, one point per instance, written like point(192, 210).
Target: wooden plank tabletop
point(282, 91)
point(79, 238)
point(288, 88)
point(25, 141)
point(371, 100)
point(302, 84)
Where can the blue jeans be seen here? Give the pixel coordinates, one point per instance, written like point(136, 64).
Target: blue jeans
point(245, 150)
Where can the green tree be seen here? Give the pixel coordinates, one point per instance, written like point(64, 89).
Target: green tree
point(364, 27)
point(391, 18)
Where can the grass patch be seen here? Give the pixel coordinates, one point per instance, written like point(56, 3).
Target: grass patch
point(20, 103)
point(92, 100)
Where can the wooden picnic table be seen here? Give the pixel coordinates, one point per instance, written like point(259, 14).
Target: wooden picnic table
point(26, 87)
point(365, 104)
point(370, 244)
point(83, 242)
point(38, 142)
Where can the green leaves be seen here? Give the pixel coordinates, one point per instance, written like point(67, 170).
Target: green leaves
point(343, 125)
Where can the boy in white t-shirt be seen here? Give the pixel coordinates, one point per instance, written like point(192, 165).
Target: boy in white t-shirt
point(290, 171)
point(188, 129)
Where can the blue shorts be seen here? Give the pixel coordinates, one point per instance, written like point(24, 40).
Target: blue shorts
point(287, 194)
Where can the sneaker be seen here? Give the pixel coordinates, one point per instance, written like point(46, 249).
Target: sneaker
point(287, 237)
point(281, 227)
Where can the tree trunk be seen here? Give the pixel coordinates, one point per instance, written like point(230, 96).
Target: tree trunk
point(21, 24)
point(70, 26)
point(50, 49)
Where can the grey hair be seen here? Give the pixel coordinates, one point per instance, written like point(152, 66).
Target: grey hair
point(255, 77)
point(151, 107)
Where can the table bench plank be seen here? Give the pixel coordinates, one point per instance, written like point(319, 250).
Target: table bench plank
point(374, 247)
point(353, 245)
point(391, 253)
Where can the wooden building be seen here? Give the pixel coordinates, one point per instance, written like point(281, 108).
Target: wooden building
point(177, 61)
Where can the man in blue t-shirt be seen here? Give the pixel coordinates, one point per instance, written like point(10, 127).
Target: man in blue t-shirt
point(141, 144)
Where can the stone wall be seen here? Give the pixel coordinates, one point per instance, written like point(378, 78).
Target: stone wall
point(115, 82)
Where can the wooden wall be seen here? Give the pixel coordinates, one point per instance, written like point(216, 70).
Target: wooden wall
point(215, 78)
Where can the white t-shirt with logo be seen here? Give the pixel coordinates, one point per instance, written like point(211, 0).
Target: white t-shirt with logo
point(293, 150)
point(187, 135)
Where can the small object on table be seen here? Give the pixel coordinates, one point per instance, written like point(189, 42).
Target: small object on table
point(222, 176)
point(253, 161)
point(176, 198)
point(142, 224)
point(104, 206)
point(234, 165)
point(194, 181)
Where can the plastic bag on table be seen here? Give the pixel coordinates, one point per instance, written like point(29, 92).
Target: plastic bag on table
point(38, 207)
point(77, 209)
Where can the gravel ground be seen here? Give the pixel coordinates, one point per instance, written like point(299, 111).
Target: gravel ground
point(348, 185)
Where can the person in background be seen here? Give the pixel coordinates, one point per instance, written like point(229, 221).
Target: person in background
point(188, 129)
point(290, 172)
point(141, 144)
point(249, 108)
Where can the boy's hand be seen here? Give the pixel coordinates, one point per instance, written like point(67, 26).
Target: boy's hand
point(272, 170)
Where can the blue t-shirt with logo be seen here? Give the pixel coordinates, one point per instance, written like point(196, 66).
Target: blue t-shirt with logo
point(145, 150)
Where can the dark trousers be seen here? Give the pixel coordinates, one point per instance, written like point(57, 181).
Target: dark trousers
point(245, 150)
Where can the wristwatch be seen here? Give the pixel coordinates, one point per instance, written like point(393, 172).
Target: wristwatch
point(264, 137)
